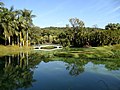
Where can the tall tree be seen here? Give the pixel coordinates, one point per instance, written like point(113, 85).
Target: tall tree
point(75, 22)
point(27, 16)
point(15, 25)
point(77, 30)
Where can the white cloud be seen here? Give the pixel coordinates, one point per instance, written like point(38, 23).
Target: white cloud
point(116, 9)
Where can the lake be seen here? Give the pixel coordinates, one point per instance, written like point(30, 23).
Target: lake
point(37, 71)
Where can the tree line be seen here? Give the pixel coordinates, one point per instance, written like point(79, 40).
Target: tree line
point(79, 36)
point(16, 28)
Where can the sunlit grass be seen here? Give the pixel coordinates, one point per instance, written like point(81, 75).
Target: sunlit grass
point(9, 50)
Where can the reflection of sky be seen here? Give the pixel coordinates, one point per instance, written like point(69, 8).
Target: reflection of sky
point(50, 68)
point(54, 76)
point(100, 69)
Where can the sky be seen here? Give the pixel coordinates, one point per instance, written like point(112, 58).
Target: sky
point(58, 12)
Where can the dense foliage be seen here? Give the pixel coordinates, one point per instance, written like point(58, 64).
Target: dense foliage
point(16, 27)
point(79, 36)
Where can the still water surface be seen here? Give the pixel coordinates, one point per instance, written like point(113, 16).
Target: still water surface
point(38, 72)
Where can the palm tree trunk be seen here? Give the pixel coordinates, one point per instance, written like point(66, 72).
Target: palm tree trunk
point(20, 39)
point(6, 63)
point(5, 40)
point(9, 40)
point(9, 60)
point(27, 38)
point(23, 43)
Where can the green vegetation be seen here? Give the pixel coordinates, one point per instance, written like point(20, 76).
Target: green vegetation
point(19, 68)
point(78, 35)
point(81, 45)
point(106, 52)
point(16, 73)
point(16, 28)
point(9, 50)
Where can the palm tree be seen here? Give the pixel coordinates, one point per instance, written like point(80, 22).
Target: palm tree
point(15, 24)
point(4, 22)
point(27, 16)
point(7, 19)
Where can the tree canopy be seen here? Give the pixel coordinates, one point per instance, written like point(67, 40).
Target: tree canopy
point(16, 28)
point(15, 25)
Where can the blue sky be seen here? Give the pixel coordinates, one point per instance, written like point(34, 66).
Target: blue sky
point(58, 12)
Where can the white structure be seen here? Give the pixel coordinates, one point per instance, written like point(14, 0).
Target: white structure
point(40, 47)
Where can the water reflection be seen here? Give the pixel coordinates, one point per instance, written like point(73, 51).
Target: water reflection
point(76, 67)
point(15, 72)
point(19, 72)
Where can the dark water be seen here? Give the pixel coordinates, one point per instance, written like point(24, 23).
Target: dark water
point(44, 72)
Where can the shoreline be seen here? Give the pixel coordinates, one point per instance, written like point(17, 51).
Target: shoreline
point(92, 52)
point(9, 50)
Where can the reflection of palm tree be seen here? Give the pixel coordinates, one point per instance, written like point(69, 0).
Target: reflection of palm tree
point(15, 75)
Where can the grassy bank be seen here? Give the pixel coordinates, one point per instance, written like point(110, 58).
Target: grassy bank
point(92, 52)
point(9, 50)
point(105, 52)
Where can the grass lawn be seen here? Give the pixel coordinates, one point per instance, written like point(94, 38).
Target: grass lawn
point(9, 50)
